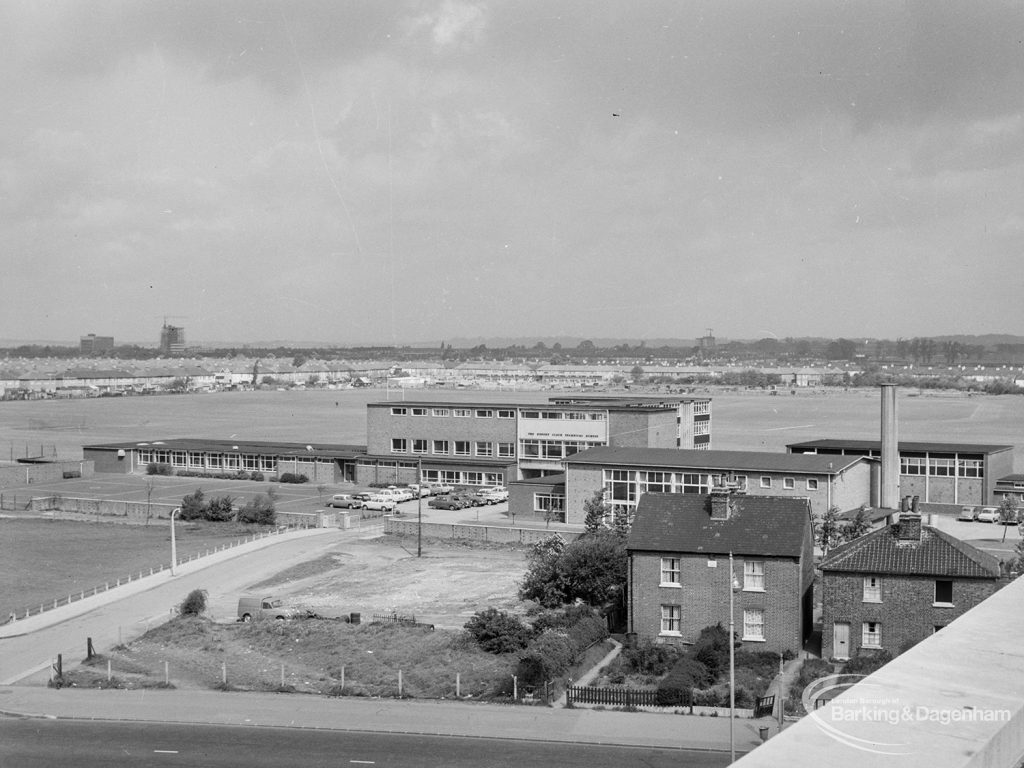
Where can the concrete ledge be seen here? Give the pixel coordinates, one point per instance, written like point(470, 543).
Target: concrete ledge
point(954, 700)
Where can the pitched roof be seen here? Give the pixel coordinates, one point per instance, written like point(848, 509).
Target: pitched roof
point(770, 526)
point(936, 554)
point(726, 461)
point(904, 445)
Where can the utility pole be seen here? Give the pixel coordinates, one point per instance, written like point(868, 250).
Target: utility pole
point(419, 508)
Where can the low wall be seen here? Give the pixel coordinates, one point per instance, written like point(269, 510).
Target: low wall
point(132, 511)
point(12, 475)
point(467, 531)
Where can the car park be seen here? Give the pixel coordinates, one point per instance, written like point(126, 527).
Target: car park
point(345, 501)
point(419, 490)
point(493, 495)
point(379, 503)
point(400, 494)
point(447, 501)
point(988, 515)
point(440, 489)
point(967, 514)
point(469, 498)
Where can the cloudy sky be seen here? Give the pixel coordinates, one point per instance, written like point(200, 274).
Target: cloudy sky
point(358, 171)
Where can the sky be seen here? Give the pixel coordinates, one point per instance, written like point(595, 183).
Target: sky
point(365, 171)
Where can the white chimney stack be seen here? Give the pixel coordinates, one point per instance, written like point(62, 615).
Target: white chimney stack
point(889, 477)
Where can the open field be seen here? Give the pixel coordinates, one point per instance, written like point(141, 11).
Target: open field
point(742, 420)
point(45, 559)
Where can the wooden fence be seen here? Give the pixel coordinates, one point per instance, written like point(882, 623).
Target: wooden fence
point(616, 697)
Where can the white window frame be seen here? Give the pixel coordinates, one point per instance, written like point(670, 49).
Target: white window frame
point(505, 413)
point(461, 447)
point(483, 413)
point(789, 483)
point(872, 589)
point(399, 445)
point(462, 413)
point(442, 445)
point(753, 575)
point(483, 448)
point(506, 450)
point(440, 412)
point(753, 625)
point(871, 634)
point(399, 411)
point(670, 572)
point(419, 411)
point(935, 594)
point(811, 484)
point(672, 620)
point(420, 445)
point(766, 481)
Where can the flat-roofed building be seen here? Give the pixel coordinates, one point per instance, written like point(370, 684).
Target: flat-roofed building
point(953, 474)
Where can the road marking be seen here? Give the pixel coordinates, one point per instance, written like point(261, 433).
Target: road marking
point(363, 762)
point(779, 429)
point(165, 751)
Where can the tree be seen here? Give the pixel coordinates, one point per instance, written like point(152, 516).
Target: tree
point(194, 603)
point(1007, 512)
point(591, 569)
point(857, 527)
point(637, 373)
point(259, 510)
point(497, 631)
point(541, 581)
point(220, 509)
point(596, 511)
point(827, 532)
point(193, 506)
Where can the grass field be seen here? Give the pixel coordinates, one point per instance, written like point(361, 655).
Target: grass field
point(45, 559)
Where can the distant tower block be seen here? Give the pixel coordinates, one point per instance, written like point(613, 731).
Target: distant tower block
point(172, 339)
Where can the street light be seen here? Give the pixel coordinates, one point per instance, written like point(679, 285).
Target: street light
point(419, 508)
point(734, 587)
point(174, 544)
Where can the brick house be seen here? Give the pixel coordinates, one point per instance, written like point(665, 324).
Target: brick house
point(679, 547)
point(893, 587)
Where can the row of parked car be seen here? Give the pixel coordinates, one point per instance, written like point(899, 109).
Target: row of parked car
point(986, 515)
point(442, 497)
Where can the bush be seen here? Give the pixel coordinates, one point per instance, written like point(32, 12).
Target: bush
point(712, 649)
point(259, 510)
point(649, 658)
point(193, 506)
point(676, 688)
point(866, 663)
point(256, 475)
point(548, 657)
point(220, 509)
point(194, 604)
point(291, 477)
point(71, 474)
point(159, 468)
point(497, 631)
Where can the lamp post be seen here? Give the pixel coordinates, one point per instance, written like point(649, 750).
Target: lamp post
point(733, 588)
point(419, 507)
point(174, 544)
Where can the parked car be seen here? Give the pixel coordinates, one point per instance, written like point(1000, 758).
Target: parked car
point(967, 514)
point(493, 495)
point(440, 489)
point(470, 498)
point(419, 490)
point(400, 494)
point(448, 501)
point(379, 503)
point(988, 515)
point(345, 501)
point(252, 608)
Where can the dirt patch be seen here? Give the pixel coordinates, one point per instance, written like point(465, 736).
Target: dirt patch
point(444, 587)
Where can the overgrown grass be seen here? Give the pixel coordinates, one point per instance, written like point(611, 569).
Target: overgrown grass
point(45, 559)
point(324, 564)
point(319, 656)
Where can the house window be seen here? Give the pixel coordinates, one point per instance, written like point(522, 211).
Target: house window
point(484, 449)
point(462, 413)
point(507, 450)
point(871, 635)
point(441, 412)
point(943, 592)
point(440, 446)
point(506, 414)
point(872, 589)
point(399, 445)
point(484, 414)
point(419, 446)
point(741, 481)
point(670, 572)
point(419, 411)
point(495, 478)
point(398, 411)
point(753, 624)
point(766, 481)
point(462, 447)
point(753, 575)
point(788, 483)
point(671, 619)
point(812, 484)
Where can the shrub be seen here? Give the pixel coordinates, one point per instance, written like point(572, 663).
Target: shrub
point(159, 468)
point(256, 475)
point(291, 477)
point(497, 631)
point(676, 688)
point(258, 510)
point(712, 648)
point(866, 663)
point(194, 604)
point(547, 657)
point(71, 474)
point(649, 658)
point(193, 506)
point(220, 509)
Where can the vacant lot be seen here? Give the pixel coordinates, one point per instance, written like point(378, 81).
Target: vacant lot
point(45, 559)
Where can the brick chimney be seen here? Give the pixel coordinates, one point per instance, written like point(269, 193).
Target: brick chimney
point(909, 527)
point(721, 503)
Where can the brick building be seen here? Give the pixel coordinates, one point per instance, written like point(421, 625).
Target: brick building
point(953, 474)
point(625, 474)
point(476, 443)
point(679, 554)
point(893, 587)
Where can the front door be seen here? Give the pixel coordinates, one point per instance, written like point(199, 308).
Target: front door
point(841, 640)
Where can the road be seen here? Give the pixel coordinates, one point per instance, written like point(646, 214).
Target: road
point(26, 743)
point(123, 619)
